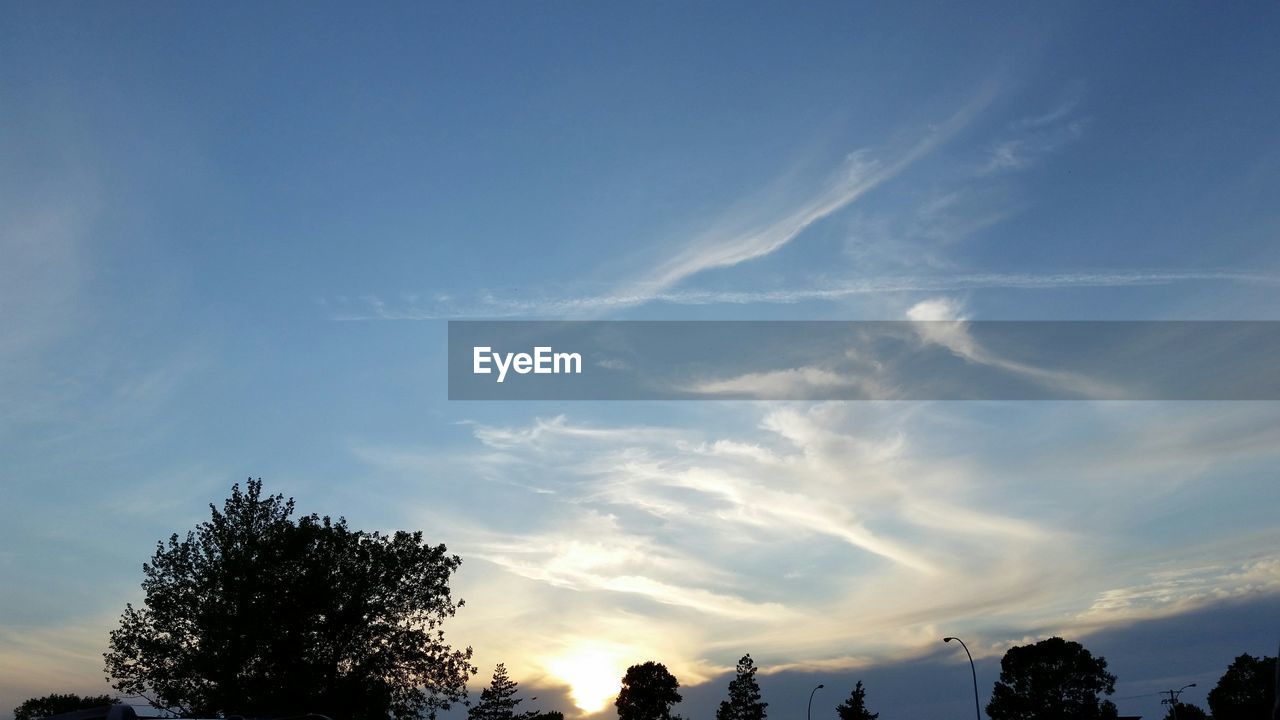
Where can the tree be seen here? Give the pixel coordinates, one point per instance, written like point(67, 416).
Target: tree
point(1246, 691)
point(648, 692)
point(1053, 679)
point(1186, 712)
point(744, 695)
point(855, 707)
point(255, 613)
point(59, 703)
point(499, 701)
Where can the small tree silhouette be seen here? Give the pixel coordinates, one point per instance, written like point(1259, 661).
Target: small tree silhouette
point(60, 703)
point(1186, 712)
point(499, 701)
point(855, 706)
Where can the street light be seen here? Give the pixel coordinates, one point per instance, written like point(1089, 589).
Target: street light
point(808, 713)
point(977, 712)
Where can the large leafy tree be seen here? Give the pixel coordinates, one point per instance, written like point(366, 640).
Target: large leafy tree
point(744, 695)
point(648, 692)
point(256, 613)
point(855, 706)
point(1246, 691)
point(1053, 679)
point(499, 701)
point(60, 703)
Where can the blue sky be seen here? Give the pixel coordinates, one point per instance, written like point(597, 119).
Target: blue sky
point(231, 236)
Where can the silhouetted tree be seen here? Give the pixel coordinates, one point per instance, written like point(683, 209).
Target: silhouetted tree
point(1053, 679)
point(255, 613)
point(59, 703)
point(744, 695)
point(1246, 691)
point(499, 701)
point(855, 707)
point(549, 715)
point(1186, 712)
point(648, 692)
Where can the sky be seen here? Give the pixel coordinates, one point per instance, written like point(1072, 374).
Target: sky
point(231, 237)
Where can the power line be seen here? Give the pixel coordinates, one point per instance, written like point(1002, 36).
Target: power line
point(1132, 697)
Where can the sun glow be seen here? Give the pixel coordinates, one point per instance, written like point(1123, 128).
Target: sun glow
point(594, 676)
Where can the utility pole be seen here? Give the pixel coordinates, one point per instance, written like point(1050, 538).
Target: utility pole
point(1172, 702)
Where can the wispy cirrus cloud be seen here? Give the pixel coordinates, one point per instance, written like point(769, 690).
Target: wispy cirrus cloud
point(834, 526)
point(939, 321)
point(493, 305)
point(800, 382)
point(1033, 137)
point(1052, 117)
point(1168, 592)
point(738, 236)
point(865, 374)
point(886, 246)
point(863, 172)
point(34, 659)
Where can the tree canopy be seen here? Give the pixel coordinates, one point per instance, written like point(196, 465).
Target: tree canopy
point(855, 706)
point(1246, 691)
point(1053, 679)
point(1185, 711)
point(648, 692)
point(256, 613)
point(744, 695)
point(56, 703)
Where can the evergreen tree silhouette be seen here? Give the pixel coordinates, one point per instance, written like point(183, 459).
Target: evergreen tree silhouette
point(855, 706)
point(744, 695)
point(499, 701)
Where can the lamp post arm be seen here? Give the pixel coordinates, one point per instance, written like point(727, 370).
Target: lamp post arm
point(977, 710)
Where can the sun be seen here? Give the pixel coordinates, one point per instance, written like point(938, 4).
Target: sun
point(594, 676)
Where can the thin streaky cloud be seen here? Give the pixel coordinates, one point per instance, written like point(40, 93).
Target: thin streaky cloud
point(1059, 112)
point(497, 306)
point(789, 382)
point(939, 321)
point(1020, 152)
point(923, 542)
point(860, 175)
point(1036, 136)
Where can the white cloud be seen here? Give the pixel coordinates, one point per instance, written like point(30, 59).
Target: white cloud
point(938, 321)
point(861, 174)
point(1052, 116)
point(858, 374)
point(1035, 137)
point(497, 306)
point(869, 526)
point(1168, 592)
point(798, 383)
